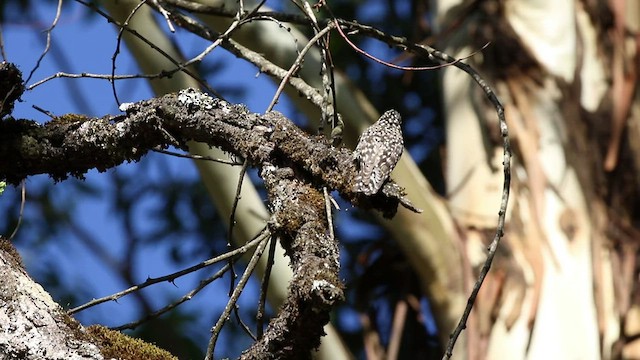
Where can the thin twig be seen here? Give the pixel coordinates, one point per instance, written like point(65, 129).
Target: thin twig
point(251, 56)
point(133, 32)
point(264, 287)
point(23, 200)
point(327, 208)
point(197, 157)
point(493, 247)
point(400, 67)
point(125, 25)
point(326, 69)
point(215, 331)
point(48, 45)
point(164, 13)
point(97, 76)
point(171, 277)
point(46, 112)
point(239, 20)
point(236, 200)
point(232, 222)
point(201, 285)
point(243, 325)
point(296, 65)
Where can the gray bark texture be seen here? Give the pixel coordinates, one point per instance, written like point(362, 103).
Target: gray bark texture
point(32, 325)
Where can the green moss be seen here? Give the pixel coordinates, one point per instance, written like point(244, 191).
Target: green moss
point(67, 119)
point(313, 198)
point(114, 344)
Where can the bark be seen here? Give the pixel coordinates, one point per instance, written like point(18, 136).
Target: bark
point(301, 224)
point(552, 292)
point(32, 325)
point(429, 240)
point(220, 180)
point(72, 144)
point(295, 167)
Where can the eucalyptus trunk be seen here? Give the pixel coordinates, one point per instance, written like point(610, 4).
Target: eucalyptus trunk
point(563, 283)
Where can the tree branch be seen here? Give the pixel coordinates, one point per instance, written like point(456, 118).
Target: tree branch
point(299, 220)
point(295, 166)
point(71, 145)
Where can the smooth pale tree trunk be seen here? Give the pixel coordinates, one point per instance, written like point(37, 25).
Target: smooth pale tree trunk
point(550, 294)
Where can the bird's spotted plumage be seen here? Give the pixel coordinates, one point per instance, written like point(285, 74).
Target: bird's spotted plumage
point(377, 153)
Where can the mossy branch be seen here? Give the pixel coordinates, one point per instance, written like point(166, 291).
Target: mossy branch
point(73, 144)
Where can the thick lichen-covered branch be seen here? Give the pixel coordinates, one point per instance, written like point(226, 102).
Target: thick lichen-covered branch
point(71, 145)
point(300, 223)
point(295, 166)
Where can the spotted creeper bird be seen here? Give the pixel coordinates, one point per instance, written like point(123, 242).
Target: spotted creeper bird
point(377, 153)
